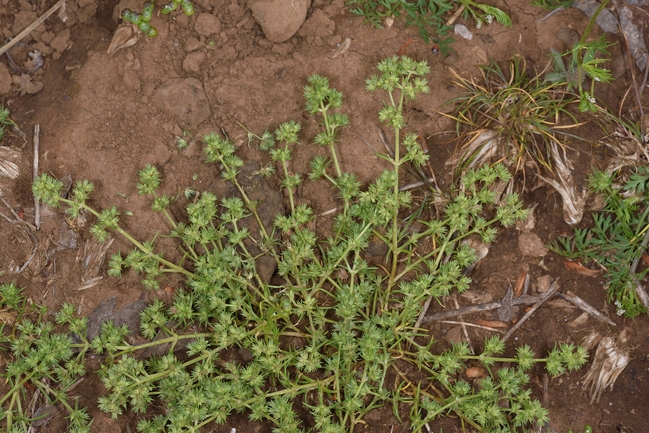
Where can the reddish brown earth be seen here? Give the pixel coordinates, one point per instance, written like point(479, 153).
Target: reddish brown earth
point(103, 118)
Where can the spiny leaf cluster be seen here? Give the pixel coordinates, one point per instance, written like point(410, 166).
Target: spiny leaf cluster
point(332, 324)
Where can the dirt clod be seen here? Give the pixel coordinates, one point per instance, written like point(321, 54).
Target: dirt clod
point(185, 100)
point(5, 79)
point(207, 25)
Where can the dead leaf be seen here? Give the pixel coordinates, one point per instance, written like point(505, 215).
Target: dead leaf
point(492, 323)
point(7, 316)
point(342, 49)
point(520, 284)
point(122, 38)
point(580, 269)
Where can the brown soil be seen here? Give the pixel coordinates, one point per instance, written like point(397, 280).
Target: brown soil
point(102, 118)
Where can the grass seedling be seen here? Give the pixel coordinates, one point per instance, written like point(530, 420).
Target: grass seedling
point(509, 115)
point(618, 240)
point(323, 336)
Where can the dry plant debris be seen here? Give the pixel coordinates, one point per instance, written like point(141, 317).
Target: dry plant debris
point(611, 358)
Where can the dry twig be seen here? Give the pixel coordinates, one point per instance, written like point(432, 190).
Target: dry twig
point(37, 203)
point(478, 308)
point(585, 306)
point(553, 288)
point(31, 27)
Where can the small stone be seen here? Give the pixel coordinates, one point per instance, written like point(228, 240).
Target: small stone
point(228, 53)
point(282, 49)
point(207, 24)
point(131, 80)
point(543, 283)
point(236, 10)
point(279, 19)
point(21, 20)
point(29, 86)
point(567, 36)
point(530, 244)
point(87, 13)
point(192, 44)
point(192, 62)
point(335, 8)
point(47, 37)
point(318, 25)
point(185, 100)
point(61, 41)
point(182, 20)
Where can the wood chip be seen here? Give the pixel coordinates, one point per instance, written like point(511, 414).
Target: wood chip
point(492, 323)
point(580, 269)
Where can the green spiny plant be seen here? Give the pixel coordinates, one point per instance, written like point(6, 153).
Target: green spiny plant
point(47, 360)
point(618, 239)
point(328, 329)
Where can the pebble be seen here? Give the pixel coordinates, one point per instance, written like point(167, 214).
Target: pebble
point(207, 24)
point(5, 79)
point(318, 24)
point(567, 36)
point(192, 62)
point(279, 19)
point(61, 41)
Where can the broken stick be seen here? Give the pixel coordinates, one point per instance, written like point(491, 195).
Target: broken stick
point(525, 299)
point(37, 203)
point(547, 295)
point(580, 303)
point(31, 27)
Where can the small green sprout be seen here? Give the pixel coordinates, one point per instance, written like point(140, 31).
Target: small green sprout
point(4, 120)
point(142, 20)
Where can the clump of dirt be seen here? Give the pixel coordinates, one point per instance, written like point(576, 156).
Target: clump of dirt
point(104, 117)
